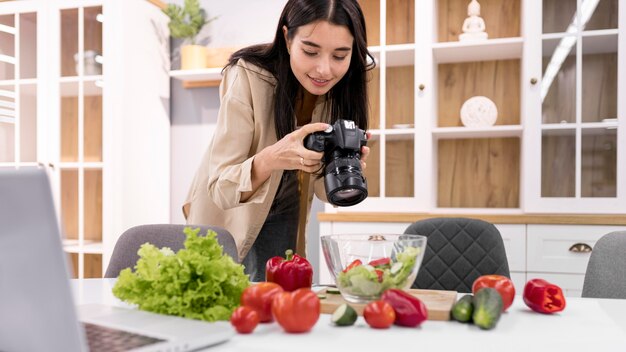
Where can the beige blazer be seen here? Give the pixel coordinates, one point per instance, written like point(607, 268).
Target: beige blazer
point(245, 125)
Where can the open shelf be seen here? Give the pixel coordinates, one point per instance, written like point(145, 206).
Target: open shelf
point(91, 247)
point(478, 132)
point(488, 50)
point(206, 77)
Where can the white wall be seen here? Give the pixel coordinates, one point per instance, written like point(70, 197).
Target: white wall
point(194, 111)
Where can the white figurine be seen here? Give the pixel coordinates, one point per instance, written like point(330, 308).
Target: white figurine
point(479, 111)
point(474, 25)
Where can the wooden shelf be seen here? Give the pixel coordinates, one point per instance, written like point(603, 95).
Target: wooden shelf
point(200, 78)
point(481, 132)
point(488, 50)
point(91, 247)
point(9, 120)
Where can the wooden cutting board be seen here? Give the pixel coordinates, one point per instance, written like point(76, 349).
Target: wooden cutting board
point(438, 303)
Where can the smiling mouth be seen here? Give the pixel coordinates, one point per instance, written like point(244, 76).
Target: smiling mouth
point(318, 80)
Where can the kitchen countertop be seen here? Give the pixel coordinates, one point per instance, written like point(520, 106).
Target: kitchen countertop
point(586, 324)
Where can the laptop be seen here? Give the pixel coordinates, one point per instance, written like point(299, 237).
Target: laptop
point(37, 312)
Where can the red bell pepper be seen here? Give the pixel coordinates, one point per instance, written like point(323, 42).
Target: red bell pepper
point(543, 297)
point(292, 273)
point(410, 311)
point(296, 311)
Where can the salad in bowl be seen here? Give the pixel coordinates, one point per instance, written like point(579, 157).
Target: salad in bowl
point(365, 265)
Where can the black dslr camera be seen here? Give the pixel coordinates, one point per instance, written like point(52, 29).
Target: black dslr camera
point(343, 177)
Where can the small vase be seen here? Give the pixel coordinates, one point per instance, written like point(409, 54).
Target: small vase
point(193, 57)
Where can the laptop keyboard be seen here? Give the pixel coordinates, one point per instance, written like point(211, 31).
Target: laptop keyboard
point(101, 338)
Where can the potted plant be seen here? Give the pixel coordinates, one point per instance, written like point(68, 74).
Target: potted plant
point(186, 22)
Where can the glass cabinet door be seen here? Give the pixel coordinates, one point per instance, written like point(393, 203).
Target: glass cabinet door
point(81, 135)
point(18, 88)
point(579, 104)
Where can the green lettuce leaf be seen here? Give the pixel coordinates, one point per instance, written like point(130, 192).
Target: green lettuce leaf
point(199, 282)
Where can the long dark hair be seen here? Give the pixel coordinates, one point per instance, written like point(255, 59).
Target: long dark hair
point(348, 97)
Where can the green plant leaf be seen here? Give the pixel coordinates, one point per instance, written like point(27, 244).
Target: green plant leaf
point(186, 22)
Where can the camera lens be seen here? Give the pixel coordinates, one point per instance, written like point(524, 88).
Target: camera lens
point(350, 192)
point(348, 196)
point(344, 181)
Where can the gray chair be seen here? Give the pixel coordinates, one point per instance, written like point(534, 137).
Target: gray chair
point(606, 271)
point(458, 251)
point(161, 235)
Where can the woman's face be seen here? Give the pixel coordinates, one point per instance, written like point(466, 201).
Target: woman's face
point(320, 55)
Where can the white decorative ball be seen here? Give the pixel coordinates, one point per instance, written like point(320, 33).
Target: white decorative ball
point(479, 111)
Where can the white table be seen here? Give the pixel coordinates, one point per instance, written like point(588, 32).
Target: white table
point(586, 324)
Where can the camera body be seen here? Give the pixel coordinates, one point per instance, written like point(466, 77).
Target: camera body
point(343, 177)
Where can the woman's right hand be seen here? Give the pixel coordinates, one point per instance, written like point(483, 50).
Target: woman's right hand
point(289, 153)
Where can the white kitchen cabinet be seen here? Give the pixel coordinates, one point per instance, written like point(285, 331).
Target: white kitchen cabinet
point(557, 253)
point(563, 248)
point(576, 152)
point(84, 91)
point(555, 149)
point(554, 146)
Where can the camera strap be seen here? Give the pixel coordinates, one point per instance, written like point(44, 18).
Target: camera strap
point(303, 193)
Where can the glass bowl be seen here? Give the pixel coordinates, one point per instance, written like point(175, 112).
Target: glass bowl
point(365, 265)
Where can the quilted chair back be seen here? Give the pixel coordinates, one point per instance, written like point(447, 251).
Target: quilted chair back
point(606, 271)
point(458, 251)
point(160, 235)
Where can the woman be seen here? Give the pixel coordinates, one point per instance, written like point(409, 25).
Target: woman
point(272, 96)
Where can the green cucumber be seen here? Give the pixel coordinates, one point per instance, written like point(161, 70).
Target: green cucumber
point(487, 308)
point(332, 290)
point(463, 309)
point(344, 315)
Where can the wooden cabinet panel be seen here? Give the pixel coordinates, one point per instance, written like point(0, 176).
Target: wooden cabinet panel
point(400, 21)
point(478, 173)
point(496, 80)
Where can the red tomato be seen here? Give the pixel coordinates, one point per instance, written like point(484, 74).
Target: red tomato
point(379, 314)
point(259, 297)
point(296, 311)
point(357, 262)
point(380, 262)
point(502, 284)
point(244, 319)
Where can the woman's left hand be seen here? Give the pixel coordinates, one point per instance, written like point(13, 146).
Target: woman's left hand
point(365, 151)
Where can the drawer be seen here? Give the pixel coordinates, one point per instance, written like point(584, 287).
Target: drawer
point(549, 247)
point(514, 238)
point(571, 284)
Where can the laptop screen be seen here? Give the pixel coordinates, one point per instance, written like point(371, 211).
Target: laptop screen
point(37, 310)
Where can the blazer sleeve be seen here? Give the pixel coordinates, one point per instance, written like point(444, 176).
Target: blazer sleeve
point(230, 167)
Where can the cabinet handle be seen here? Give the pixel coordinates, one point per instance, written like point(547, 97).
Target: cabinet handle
point(580, 248)
point(533, 81)
point(421, 87)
